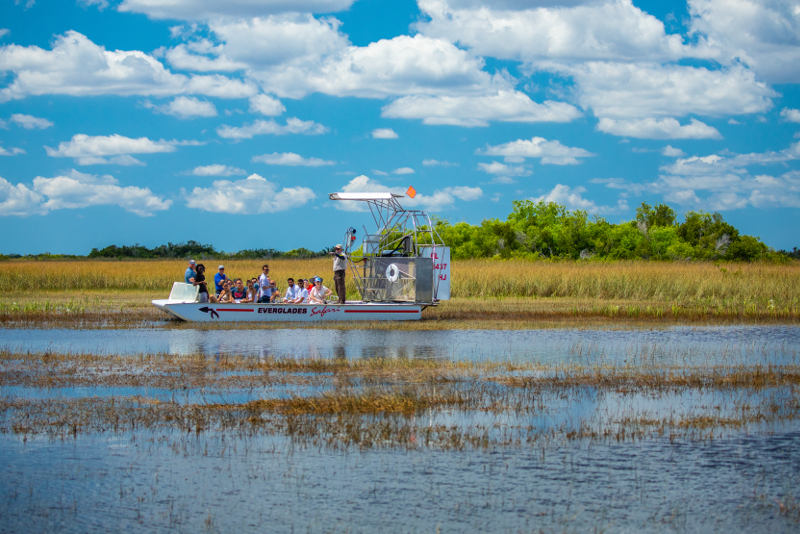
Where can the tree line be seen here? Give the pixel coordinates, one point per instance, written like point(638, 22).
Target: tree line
point(533, 230)
point(537, 230)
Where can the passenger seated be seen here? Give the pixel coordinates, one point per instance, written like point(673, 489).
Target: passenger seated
point(252, 292)
point(303, 291)
point(318, 293)
point(275, 296)
point(291, 296)
point(224, 294)
point(239, 291)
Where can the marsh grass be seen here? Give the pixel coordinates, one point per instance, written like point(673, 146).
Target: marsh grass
point(386, 402)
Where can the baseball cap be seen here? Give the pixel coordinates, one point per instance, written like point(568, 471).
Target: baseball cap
point(221, 267)
point(338, 246)
point(192, 262)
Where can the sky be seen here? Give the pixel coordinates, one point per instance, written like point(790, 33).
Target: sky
point(229, 123)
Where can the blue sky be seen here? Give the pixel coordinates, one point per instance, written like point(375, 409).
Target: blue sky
point(145, 121)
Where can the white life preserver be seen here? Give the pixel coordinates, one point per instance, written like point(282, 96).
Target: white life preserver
point(392, 273)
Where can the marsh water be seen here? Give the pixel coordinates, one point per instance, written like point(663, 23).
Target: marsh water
point(731, 479)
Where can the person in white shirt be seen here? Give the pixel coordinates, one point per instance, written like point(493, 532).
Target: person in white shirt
point(264, 292)
point(291, 295)
point(318, 293)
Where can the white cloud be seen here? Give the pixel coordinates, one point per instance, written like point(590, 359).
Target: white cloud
point(249, 196)
point(4, 32)
point(76, 190)
point(403, 170)
point(217, 170)
point(621, 183)
point(11, 151)
point(764, 35)
point(211, 9)
point(658, 129)
point(634, 91)
point(292, 159)
point(733, 121)
point(529, 31)
point(200, 56)
point(380, 173)
point(90, 150)
point(573, 200)
point(672, 152)
point(266, 105)
point(101, 4)
point(389, 67)
point(471, 111)
point(435, 163)
point(498, 168)
point(790, 115)
point(185, 107)
point(261, 127)
point(18, 200)
point(29, 122)
point(505, 180)
point(723, 182)
point(441, 199)
point(76, 66)
point(550, 152)
point(384, 133)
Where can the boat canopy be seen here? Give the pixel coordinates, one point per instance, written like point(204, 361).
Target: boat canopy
point(364, 196)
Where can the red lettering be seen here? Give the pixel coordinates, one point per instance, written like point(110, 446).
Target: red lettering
point(442, 277)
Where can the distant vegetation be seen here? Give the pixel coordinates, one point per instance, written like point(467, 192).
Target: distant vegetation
point(533, 230)
point(548, 230)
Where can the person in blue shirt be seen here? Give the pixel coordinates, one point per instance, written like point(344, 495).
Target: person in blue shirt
point(188, 276)
point(219, 278)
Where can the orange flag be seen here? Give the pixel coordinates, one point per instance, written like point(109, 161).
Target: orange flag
point(411, 192)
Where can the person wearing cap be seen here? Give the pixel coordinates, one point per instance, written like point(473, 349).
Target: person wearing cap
point(219, 279)
point(339, 269)
point(188, 276)
point(318, 293)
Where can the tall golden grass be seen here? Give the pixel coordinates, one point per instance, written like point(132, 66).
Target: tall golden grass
point(735, 284)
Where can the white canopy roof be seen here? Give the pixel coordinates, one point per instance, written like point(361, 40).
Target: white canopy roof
point(364, 196)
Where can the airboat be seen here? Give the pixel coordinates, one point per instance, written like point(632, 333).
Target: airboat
point(399, 270)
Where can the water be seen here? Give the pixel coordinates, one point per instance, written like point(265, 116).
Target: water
point(729, 345)
point(728, 479)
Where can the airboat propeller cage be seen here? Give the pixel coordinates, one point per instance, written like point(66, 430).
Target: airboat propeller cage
point(405, 258)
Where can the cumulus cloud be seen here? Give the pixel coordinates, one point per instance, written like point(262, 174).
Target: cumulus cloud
point(217, 170)
point(270, 127)
point(550, 152)
point(291, 159)
point(90, 150)
point(78, 67)
point(530, 31)
point(573, 199)
point(658, 129)
point(790, 115)
point(266, 105)
point(764, 35)
point(389, 67)
point(249, 196)
point(403, 170)
point(672, 152)
point(440, 199)
point(470, 111)
point(210, 9)
point(634, 91)
point(185, 107)
point(10, 151)
point(436, 163)
point(77, 190)
point(29, 122)
point(384, 133)
point(18, 200)
point(498, 168)
point(723, 182)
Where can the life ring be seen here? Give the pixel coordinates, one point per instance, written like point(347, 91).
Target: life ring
point(392, 273)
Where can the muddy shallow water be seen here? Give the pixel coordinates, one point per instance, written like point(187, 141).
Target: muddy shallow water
point(622, 457)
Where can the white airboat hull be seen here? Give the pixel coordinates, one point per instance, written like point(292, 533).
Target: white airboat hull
point(355, 311)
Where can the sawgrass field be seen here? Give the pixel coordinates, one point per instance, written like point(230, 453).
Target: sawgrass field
point(506, 291)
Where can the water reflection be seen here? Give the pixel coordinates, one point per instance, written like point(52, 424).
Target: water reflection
point(679, 346)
